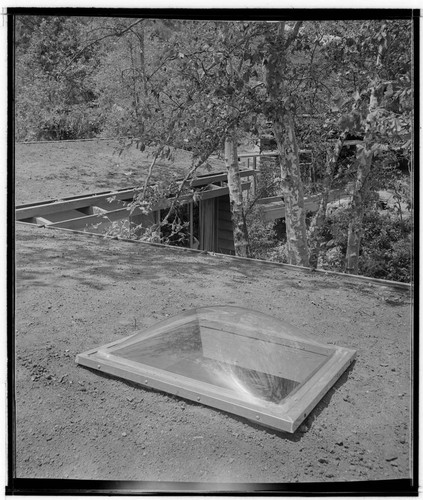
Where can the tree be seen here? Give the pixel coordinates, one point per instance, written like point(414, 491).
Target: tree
point(54, 88)
point(376, 136)
point(239, 225)
point(364, 99)
point(196, 92)
point(279, 108)
point(318, 222)
point(146, 80)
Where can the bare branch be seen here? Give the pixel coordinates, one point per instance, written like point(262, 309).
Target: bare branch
point(195, 167)
point(150, 170)
point(93, 42)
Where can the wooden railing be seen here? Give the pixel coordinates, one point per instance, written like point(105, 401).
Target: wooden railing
point(274, 207)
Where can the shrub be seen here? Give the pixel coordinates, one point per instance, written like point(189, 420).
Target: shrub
point(261, 234)
point(385, 251)
point(279, 253)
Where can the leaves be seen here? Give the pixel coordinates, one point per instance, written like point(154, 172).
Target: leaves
point(180, 84)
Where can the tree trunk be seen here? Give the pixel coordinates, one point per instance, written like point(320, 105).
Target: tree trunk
point(278, 110)
point(317, 224)
point(292, 191)
point(364, 161)
point(235, 194)
point(358, 205)
point(141, 41)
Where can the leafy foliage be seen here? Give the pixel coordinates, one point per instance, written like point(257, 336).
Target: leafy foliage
point(170, 84)
point(54, 92)
point(385, 250)
point(262, 236)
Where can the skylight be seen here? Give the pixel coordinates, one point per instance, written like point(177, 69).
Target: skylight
point(230, 358)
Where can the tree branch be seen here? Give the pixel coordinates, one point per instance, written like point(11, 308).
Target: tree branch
point(150, 170)
point(93, 42)
point(190, 173)
point(292, 36)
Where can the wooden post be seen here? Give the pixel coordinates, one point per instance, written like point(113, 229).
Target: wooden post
point(254, 175)
point(191, 225)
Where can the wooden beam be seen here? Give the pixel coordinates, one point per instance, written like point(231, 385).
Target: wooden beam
point(268, 153)
point(94, 219)
point(122, 213)
point(274, 207)
point(270, 199)
point(203, 195)
point(218, 177)
point(60, 206)
point(65, 215)
point(203, 181)
point(50, 207)
point(62, 200)
point(41, 221)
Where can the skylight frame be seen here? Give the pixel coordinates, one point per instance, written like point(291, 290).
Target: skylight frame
point(286, 416)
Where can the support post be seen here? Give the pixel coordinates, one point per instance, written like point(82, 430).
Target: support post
point(191, 225)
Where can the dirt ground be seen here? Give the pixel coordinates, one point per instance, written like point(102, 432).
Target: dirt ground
point(75, 292)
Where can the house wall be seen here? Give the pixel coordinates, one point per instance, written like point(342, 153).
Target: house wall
point(216, 234)
point(225, 236)
point(211, 222)
point(208, 224)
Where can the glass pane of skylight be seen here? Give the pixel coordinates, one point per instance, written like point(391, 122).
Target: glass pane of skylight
point(248, 358)
point(249, 362)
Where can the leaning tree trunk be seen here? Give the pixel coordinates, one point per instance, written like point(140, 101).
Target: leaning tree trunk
point(235, 194)
point(278, 110)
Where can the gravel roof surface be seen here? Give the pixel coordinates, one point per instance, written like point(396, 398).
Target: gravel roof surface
point(76, 292)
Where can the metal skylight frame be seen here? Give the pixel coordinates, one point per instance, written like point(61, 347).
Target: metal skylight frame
point(315, 366)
